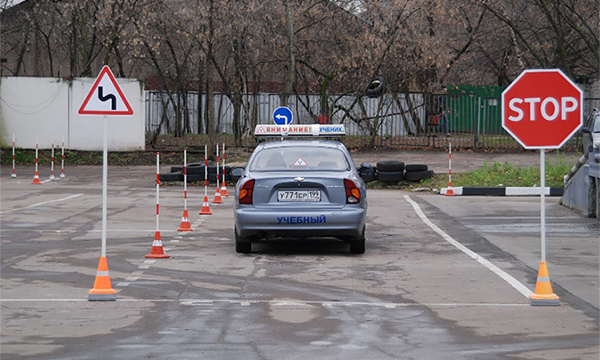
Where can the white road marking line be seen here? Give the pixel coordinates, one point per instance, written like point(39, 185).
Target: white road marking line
point(326, 304)
point(174, 241)
point(506, 277)
point(123, 284)
point(41, 203)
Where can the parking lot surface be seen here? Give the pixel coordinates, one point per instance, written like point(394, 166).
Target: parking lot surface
point(415, 294)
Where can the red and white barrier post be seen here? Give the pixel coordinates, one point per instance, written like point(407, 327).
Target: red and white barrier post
point(450, 192)
point(205, 210)
point(62, 159)
point(36, 176)
point(224, 186)
point(185, 221)
point(157, 247)
point(14, 171)
point(52, 177)
point(217, 199)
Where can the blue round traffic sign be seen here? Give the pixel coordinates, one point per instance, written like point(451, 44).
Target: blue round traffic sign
point(283, 116)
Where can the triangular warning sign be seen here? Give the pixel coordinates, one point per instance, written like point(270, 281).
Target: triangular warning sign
point(300, 162)
point(105, 97)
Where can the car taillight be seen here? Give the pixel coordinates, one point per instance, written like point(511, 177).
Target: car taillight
point(246, 192)
point(352, 192)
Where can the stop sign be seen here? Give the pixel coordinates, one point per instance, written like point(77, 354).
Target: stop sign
point(542, 109)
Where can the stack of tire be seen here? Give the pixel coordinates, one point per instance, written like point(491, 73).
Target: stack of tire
point(195, 172)
point(392, 171)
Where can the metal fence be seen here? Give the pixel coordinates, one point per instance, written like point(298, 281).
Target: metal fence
point(398, 120)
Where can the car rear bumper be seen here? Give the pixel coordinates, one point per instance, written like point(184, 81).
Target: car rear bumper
point(347, 222)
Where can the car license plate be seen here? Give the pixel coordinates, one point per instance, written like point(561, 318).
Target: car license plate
point(299, 195)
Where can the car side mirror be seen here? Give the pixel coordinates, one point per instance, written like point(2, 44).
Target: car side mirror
point(237, 172)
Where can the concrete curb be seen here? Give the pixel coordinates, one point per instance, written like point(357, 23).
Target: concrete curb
point(503, 191)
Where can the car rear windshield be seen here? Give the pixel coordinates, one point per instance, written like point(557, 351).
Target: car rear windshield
point(299, 159)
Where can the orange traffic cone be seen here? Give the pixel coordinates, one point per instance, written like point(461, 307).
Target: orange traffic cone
point(224, 189)
point(36, 179)
point(102, 290)
point(185, 222)
point(157, 248)
point(205, 210)
point(218, 199)
point(450, 192)
point(543, 289)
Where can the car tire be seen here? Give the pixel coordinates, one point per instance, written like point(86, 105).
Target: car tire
point(390, 166)
point(170, 177)
point(418, 175)
point(368, 177)
point(375, 88)
point(416, 167)
point(358, 246)
point(390, 177)
point(242, 246)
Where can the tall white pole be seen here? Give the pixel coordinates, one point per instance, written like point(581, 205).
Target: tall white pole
point(157, 190)
point(205, 171)
point(14, 171)
point(36, 154)
point(543, 201)
point(52, 162)
point(104, 184)
point(62, 158)
point(217, 166)
point(184, 179)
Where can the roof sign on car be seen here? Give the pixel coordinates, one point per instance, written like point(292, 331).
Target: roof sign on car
point(316, 130)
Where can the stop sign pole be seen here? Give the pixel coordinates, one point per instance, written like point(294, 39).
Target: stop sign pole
point(542, 109)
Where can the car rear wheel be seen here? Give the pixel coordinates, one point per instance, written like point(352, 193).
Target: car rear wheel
point(357, 246)
point(242, 246)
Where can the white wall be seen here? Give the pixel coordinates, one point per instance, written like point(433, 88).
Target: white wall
point(47, 108)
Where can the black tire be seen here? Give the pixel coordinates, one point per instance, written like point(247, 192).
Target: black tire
point(171, 177)
point(390, 177)
point(242, 246)
point(375, 88)
point(418, 175)
point(358, 246)
point(416, 167)
point(212, 178)
point(390, 166)
point(176, 169)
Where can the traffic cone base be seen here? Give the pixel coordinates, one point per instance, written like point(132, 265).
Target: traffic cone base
point(13, 175)
point(36, 179)
point(543, 295)
point(157, 251)
point(185, 223)
point(205, 210)
point(62, 175)
point(102, 290)
point(218, 199)
point(450, 192)
point(224, 189)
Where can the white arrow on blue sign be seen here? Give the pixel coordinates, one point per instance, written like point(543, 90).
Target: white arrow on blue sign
point(283, 116)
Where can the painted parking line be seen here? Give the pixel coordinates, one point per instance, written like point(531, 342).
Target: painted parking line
point(496, 270)
point(41, 203)
point(284, 303)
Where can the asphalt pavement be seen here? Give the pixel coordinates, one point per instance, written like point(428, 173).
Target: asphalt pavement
point(442, 277)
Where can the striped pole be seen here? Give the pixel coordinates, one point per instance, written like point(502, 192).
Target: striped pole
point(218, 199)
point(62, 159)
point(157, 191)
point(157, 247)
point(205, 210)
point(36, 176)
point(450, 192)
point(14, 172)
point(223, 185)
point(185, 221)
point(52, 177)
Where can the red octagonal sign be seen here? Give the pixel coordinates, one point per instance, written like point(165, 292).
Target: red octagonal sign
point(542, 109)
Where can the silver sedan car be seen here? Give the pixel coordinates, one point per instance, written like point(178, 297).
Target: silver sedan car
point(300, 189)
